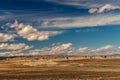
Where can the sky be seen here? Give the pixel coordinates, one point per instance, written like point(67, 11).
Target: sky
point(59, 27)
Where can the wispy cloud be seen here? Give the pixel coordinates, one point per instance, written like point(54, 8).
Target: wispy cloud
point(106, 7)
point(73, 22)
point(83, 21)
point(68, 21)
point(86, 3)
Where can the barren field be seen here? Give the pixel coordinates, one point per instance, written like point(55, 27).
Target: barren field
point(83, 69)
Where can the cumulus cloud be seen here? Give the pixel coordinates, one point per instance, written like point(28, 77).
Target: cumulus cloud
point(104, 50)
point(12, 53)
point(60, 49)
point(84, 49)
point(69, 49)
point(30, 33)
point(108, 47)
point(13, 47)
point(6, 37)
point(104, 8)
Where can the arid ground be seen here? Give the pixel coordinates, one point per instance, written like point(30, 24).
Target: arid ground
point(60, 69)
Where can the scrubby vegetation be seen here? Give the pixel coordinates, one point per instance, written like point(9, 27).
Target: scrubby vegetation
point(59, 69)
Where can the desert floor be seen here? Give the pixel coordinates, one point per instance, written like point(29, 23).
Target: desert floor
point(84, 69)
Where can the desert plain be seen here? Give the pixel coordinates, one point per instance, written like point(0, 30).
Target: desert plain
point(60, 68)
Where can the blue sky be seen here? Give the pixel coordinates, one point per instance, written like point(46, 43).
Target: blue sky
point(77, 27)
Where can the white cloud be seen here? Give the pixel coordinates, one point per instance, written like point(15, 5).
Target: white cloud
point(104, 8)
point(98, 6)
point(54, 50)
point(93, 10)
point(86, 3)
point(83, 21)
point(76, 3)
point(68, 49)
point(104, 50)
point(59, 49)
point(73, 22)
point(13, 47)
point(30, 33)
point(6, 37)
point(107, 47)
point(70, 22)
point(84, 49)
point(107, 7)
point(12, 53)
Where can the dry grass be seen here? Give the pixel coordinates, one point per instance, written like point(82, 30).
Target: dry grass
point(84, 69)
